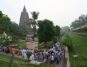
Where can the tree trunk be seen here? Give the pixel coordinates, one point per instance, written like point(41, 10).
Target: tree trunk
point(11, 60)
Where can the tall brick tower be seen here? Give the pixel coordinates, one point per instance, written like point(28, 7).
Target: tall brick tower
point(24, 23)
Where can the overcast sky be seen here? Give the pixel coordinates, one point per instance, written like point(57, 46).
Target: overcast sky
point(61, 12)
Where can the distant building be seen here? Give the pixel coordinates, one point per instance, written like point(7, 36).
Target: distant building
point(25, 22)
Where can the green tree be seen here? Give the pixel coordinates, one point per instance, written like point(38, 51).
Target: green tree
point(79, 22)
point(1, 14)
point(45, 31)
point(57, 31)
point(5, 23)
point(1, 29)
point(34, 23)
point(9, 27)
point(8, 32)
point(15, 32)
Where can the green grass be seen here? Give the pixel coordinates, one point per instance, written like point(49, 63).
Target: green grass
point(19, 62)
point(80, 44)
point(82, 34)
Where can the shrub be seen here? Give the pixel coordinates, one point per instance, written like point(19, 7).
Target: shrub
point(41, 45)
point(45, 45)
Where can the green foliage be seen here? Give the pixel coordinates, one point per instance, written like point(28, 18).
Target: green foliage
point(82, 20)
point(5, 24)
point(5, 39)
point(35, 15)
point(45, 31)
point(81, 49)
point(45, 45)
point(1, 14)
point(67, 41)
point(49, 44)
point(57, 30)
point(81, 34)
point(9, 27)
point(41, 45)
point(34, 23)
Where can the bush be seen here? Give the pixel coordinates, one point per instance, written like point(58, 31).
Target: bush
point(49, 44)
point(41, 45)
point(45, 45)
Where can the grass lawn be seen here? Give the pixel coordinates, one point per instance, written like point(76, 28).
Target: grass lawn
point(80, 44)
point(82, 34)
point(19, 62)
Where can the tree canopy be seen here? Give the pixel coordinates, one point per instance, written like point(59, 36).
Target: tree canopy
point(5, 23)
point(9, 27)
point(57, 30)
point(82, 20)
point(35, 15)
point(34, 23)
point(47, 31)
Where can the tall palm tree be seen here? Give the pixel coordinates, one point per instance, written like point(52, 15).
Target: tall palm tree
point(34, 23)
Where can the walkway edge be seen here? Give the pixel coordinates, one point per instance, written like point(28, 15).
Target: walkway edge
point(67, 57)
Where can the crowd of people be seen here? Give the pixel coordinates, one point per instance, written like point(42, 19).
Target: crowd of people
point(53, 55)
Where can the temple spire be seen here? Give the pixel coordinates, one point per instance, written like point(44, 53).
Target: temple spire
point(24, 9)
point(24, 22)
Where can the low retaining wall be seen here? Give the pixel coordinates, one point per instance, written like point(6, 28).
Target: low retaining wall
point(67, 62)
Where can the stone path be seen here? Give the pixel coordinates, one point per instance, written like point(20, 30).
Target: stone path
point(65, 61)
point(32, 45)
point(61, 64)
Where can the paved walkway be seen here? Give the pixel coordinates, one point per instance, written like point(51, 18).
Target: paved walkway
point(61, 64)
point(32, 45)
point(65, 61)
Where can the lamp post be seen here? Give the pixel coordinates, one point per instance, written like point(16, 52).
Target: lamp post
point(76, 57)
